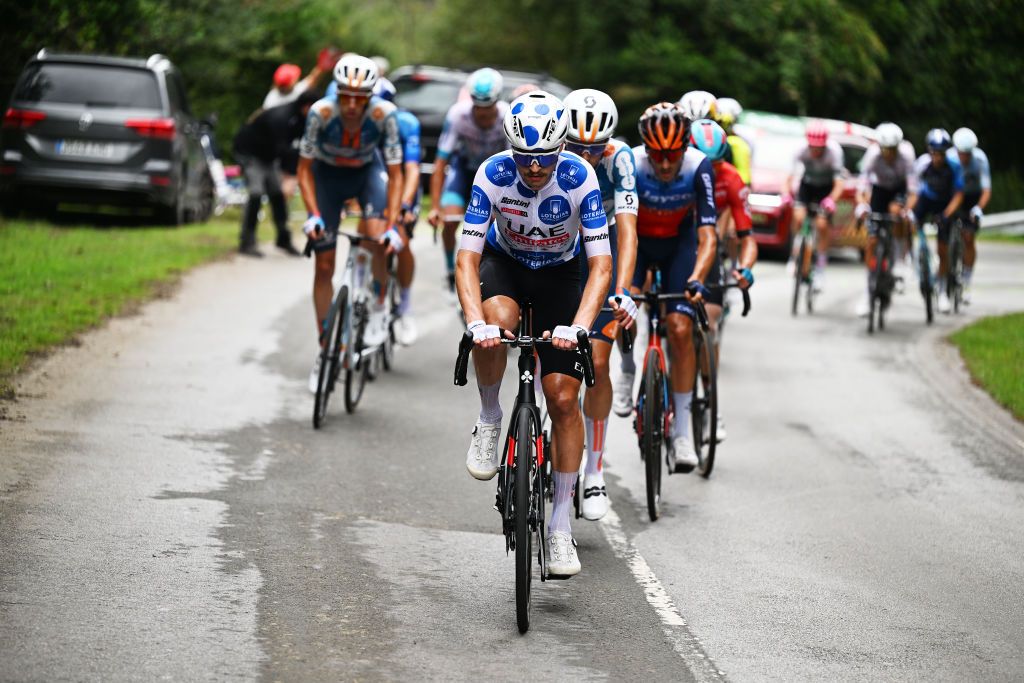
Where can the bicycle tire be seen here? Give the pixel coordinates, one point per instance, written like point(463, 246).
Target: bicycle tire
point(956, 267)
point(704, 408)
point(522, 498)
point(798, 274)
point(387, 351)
point(329, 357)
point(357, 371)
point(652, 437)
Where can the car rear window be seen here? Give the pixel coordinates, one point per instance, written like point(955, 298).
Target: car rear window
point(425, 96)
point(90, 85)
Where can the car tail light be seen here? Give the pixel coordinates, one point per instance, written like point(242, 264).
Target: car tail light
point(20, 119)
point(160, 180)
point(7, 169)
point(161, 129)
point(420, 78)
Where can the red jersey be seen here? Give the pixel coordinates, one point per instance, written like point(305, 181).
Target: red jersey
point(731, 193)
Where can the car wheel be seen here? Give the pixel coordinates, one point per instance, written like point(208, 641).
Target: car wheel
point(173, 215)
point(207, 199)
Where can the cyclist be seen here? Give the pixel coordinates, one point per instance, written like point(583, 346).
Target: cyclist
point(819, 167)
point(971, 165)
point(532, 210)
point(384, 88)
point(343, 154)
point(698, 104)
point(675, 230)
point(937, 184)
point(472, 132)
point(887, 182)
point(731, 204)
point(592, 120)
point(738, 152)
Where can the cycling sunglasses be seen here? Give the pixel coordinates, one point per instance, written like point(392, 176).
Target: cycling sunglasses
point(526, 160)
point(581, 149)
point(660, 155)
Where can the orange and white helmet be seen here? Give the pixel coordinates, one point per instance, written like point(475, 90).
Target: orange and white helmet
point(592, 116)
point(355, 74)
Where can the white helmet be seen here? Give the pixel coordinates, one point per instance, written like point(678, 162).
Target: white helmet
point(889, 134)
point(484, 86)
point(355, 74)
point(536, 122)
point(698, 104)
point(592, 116)
point(965, 140)
point(729, 111)
point(383, 65)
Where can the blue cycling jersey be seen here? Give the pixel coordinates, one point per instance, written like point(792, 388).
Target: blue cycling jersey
point(937, 183)
point(409, 132)
point(327, 140)
point(975, 176)
point(666, 208)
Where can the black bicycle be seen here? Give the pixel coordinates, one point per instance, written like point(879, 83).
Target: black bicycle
point(803, 273)
point(881, 281)
point(955, 262)
point(522, 478)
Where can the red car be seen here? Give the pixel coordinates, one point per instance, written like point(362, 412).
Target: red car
point(775, 140)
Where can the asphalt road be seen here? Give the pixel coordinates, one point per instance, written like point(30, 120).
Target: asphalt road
point(168, 513)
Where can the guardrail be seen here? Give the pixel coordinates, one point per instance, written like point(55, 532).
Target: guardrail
point(1007, 223)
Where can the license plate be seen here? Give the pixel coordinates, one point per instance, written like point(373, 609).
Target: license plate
point(85, 148)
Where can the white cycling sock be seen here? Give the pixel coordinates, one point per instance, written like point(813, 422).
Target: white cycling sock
point(565, 486)
point(490, 409)
point(404, 301)
point(595, 444)
point(681, 423)
point(967, 275)
point(628, 364)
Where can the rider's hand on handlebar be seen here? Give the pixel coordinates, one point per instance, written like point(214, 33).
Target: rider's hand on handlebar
point(977, 213)
point(828, 205)
point(861, 210)
point(314, 227)
point(696, 291)
point(485, 336)
point(564, 336)
point(434, 217)
point(393, 241)
point(626, 311)
point(744, 277)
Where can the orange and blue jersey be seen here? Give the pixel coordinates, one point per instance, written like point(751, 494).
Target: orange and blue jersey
point(679, 205)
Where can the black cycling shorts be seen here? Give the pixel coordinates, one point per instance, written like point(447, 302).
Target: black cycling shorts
point(554, 291)
point(812, 194)
point(882, 197)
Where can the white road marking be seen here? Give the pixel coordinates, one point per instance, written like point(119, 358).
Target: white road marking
point(676, 631)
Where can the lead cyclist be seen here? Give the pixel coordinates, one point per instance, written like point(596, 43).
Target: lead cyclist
point(532, 210)
point(592, 120)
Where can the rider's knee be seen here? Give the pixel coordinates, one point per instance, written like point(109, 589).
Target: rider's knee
point(562, 403)
point(324, 266)
point(680, 331)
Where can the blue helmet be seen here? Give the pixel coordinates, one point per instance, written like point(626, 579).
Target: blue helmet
point(710, 138)
point(484, 86)
point(938, 140)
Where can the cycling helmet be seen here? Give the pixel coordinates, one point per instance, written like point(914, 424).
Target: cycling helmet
point(592, 116)
point(729, 111)
point(938, 140)
point(484, 86)
point(383, 65)
point(965, 140)
point(889, 134)
point(698, 104)
point(287, 75)
point(355, 74)
point(536, 123)
point(664, 126)
point(817, 134)
point(710, 138)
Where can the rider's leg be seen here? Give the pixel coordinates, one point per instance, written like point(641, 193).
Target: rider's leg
point(490, 363)
point(404, 271)
point(597, 405)
point(683, 369)
point(448, 239)
point(562, 395)
point(799, 213)
point(970, 253)
point(821, 226)
point(714, 317)
point(323, 290)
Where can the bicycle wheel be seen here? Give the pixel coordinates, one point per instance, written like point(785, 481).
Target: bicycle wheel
point(387, 352)
point(956, 267)
point(651, 437)
point(522, 499)
point(329, 356)
point(357, 371)
point(704, 408)
point(798, 273)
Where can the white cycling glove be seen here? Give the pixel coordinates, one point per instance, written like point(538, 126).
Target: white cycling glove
point(482, 331)
point(861, 210)
point(393, 238)
point(627, 304)
point(977, 213)
point(568, 332)
point(313, 224)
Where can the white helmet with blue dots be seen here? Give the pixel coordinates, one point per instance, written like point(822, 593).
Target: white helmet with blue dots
point(484, 86)
point(536, 122)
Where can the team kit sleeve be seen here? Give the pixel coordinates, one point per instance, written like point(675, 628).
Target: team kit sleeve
point(624, 179)
point(704, 191)
point(737, 198)
point(479, 212)
point(446, 142)
point(411, 140)
point(593, 221)
point(984, 171)
point(391, 141)
point(314, 128)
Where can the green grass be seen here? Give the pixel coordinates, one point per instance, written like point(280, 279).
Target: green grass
point(60, 280)
point(1000, 237)
point(993, 349)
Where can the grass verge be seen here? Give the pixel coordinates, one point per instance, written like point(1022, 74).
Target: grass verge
point(993, 349)
point(60, 280)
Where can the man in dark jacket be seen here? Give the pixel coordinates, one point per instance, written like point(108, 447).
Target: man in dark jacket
point(261, 146)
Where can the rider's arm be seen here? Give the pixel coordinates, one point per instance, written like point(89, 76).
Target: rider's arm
point(467, 283)
point(705, 252)
point(391, 146)
point(307, 188)
point(445, 146)
point(471, 247)
point(985, 175)
point(707, 218)
point(437, 182)
point(411, 156)
point(307, 148)
point(594, 238)
point(954, 204)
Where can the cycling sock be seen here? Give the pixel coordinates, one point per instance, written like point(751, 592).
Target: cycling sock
point(377, 289)
point(595, 444)
point(404, 303)
point(681, 423)
point(449, 260)
point(628, 364)
point(967, 275)
point(565, 486)
point(822, 260)
point(490, 409)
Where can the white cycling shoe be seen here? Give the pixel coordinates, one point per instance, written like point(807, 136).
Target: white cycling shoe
point(720, 433)
point(945, 305)
point(595, 497)
point(376, 326)
point(406, 330)
point(622, 396)
point(314, 375)
point(482, 457)
point(863, 307)
point(562, 559)
point(682, 457)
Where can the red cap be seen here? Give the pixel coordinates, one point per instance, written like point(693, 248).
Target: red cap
point(817, 134)
point(287, 75)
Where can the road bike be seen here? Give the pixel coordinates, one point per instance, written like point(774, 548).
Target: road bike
point(926, 280)
point(881, 281)
point(523, 479)
point(955, 262)
point(803, 273)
